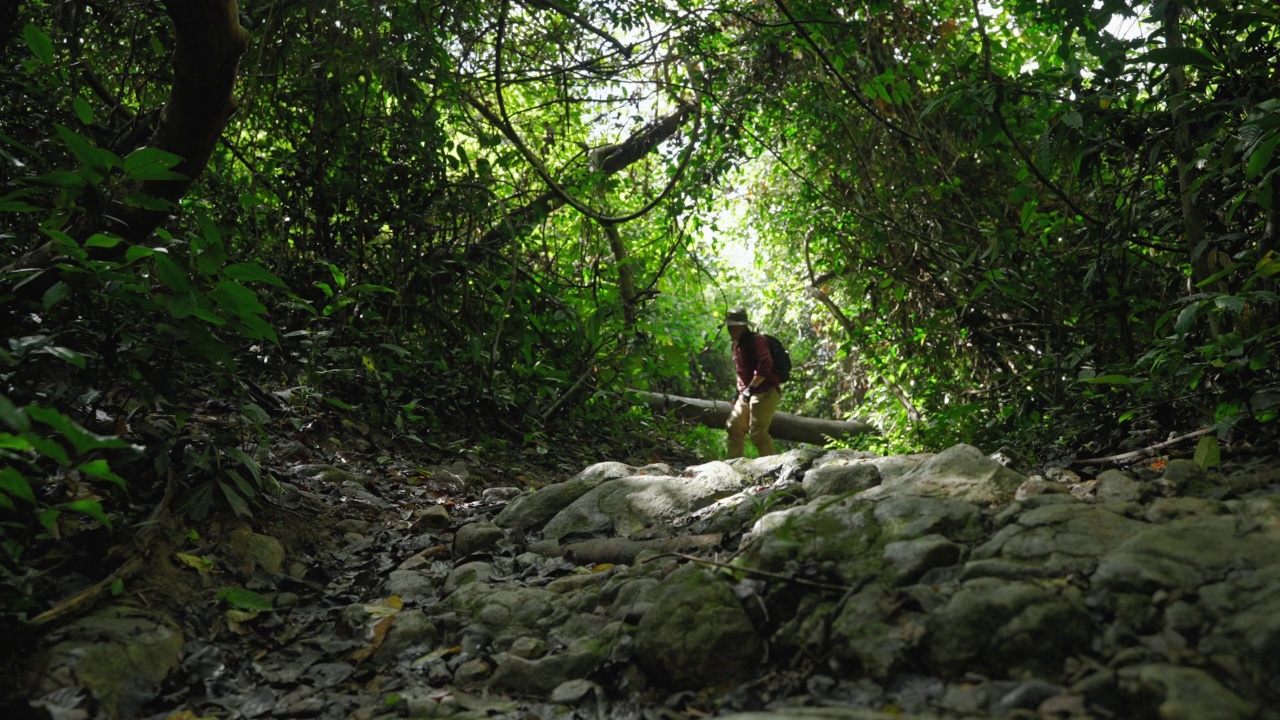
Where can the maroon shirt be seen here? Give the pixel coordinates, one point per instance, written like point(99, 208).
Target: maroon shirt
point(752, 361)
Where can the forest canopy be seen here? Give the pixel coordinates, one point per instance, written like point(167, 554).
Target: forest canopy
point(1051, 225)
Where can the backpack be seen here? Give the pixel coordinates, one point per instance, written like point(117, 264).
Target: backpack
point(781, 358)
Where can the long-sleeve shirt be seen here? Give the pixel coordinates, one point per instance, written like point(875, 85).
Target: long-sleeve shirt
point(754, 360)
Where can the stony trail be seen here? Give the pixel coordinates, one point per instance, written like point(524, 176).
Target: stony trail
point(811, 584)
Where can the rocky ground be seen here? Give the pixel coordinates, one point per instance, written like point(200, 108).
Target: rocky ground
point(810, 584)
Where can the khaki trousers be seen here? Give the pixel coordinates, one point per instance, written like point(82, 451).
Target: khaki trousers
point(752, 416)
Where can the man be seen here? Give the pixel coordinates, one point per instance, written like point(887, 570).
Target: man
point(758, 387)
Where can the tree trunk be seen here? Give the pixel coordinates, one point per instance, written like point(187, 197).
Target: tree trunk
point(1192, 217)
point(715, 413)
point(210, 42)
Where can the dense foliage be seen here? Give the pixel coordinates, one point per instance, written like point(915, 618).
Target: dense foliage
point(1046, 224)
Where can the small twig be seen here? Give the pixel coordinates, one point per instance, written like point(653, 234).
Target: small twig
point(1145, 452)
point(765, 573)
point(88, 596)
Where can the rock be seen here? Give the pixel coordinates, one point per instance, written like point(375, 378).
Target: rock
point(410, 584)
point(571, 692)
point(961, 473)
point(1003, 627)
point(905, 517)
point(532, 510)
point(1036, 486)
point(478, 537)
point(433, 517)
point(906, 561)
point(264, 551)
point(840, 478)
point(1027, 695)
point(409, 628)
point(864, 633)
point(501, 494)
point(1184, 554)
point(467, 573)
point(513, 611)
point(1052, 541)
point(355, 494)
point(1118, 486)
point(627, 505)
point(471, 672)
point(1181, 693)
point(787, 466)
point(842, 536)
point(1163, 510)
point(1187, 478)
point(529, 648)
point(544, 675)
point(120, 654)
point(698, 635)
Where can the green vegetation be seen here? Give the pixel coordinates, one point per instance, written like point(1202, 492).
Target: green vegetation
point(1049, 225)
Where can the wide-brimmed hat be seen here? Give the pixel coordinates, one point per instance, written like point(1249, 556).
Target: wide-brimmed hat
point(736, 316)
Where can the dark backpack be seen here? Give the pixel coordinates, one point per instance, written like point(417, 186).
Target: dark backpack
point(781, 358)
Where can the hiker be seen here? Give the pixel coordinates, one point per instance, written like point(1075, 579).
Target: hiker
point(758, 387)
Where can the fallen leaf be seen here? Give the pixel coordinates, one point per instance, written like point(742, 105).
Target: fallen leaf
point(203, 564)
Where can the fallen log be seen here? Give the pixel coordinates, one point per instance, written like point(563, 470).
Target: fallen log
point(715, 413)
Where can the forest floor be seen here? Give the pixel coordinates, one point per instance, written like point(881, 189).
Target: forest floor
point(555, 581)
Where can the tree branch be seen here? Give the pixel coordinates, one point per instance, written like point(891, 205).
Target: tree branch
point(580, 20)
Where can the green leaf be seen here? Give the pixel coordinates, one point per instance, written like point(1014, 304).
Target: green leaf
point(248, 462)
point(339, 278)
point(49, 519)
point(237, 503)
point(117, 587)
point(50, 449)
point(1179, 56)
point(62, 353)
point(15, 484)
point(40, 43)
point(82, 439)
point(13, 416)
point(252, 272)
point(102, 241)
point(245, 488)
point(150, 163)
point(55, 294)
point(136, 252)
point(1111, 380)
point(83, 110)
point(1186, 318)
point(92, 508)
point(1208, 453)
point(101, 469)
point(182, 305)
point(238, 299)
point(174, 277)
point(1261, 156)
point(244, 599)
point(83, 149)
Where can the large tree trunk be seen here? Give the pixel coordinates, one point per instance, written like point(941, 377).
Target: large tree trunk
point(714, 413)
point(210, 42)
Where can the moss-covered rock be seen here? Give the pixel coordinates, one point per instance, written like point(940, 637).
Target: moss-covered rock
point(697, 635)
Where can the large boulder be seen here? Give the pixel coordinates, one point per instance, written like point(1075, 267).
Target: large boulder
point(532, 510)
point(1053, 541)
point(961, 472)
point(626, 505)
point(843, 538)
point(1006, 627)
point(1184, 554)
point(697, 635)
